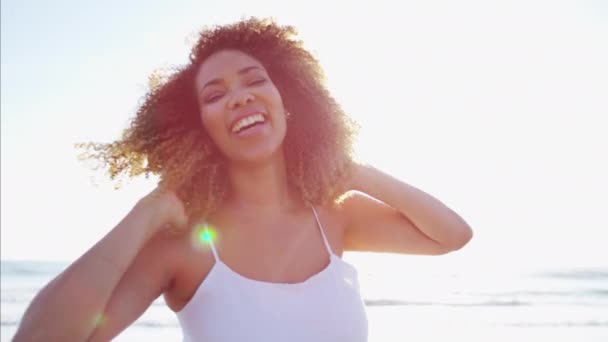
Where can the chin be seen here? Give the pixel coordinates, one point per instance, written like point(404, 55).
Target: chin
point(258, 156)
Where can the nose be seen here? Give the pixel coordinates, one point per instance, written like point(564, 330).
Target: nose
point(240, 98)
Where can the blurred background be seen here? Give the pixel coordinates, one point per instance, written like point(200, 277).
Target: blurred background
point(496, 108)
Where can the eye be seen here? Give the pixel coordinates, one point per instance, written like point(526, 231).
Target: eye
point(213, 97)
point(257, 81)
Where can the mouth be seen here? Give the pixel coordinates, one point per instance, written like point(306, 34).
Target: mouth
point(248, 122)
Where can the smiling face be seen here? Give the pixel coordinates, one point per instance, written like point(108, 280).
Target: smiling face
point(240, 107)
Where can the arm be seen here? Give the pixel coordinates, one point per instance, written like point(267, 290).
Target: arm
point(148, 277)
point(388, 215)
point(69, 307)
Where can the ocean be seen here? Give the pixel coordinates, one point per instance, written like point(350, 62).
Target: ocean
point(415, 304)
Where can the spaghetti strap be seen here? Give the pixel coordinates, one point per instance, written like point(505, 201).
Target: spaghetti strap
point(322, 232)
point(207, 233)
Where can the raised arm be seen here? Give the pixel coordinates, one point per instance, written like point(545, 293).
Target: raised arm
point(73, 304)
point(388, 215)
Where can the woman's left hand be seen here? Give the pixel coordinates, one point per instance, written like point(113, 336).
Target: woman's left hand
point(389, 215)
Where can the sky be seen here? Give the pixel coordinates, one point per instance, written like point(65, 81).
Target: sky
point(496, 108)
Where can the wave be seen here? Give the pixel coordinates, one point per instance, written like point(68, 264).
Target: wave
point(8, 323)
point(569, 324)
point(576, 293)
point(32, 268)
point(145, 323)
point(557, 324)
point(392, 302)
point(156, 324)
point(577, 274)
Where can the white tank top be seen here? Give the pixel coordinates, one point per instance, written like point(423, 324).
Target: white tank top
point(229, 307)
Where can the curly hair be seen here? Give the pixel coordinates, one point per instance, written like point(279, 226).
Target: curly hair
point(166, 137)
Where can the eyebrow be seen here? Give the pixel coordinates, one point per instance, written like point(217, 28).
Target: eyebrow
point(240, 72)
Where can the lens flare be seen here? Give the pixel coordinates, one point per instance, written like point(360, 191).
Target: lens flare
point(207, 236)
point(204, 235)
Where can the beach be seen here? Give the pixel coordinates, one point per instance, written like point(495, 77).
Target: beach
point(545, 304)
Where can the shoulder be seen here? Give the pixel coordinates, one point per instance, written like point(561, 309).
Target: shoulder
point(161, 255)
point(331, 216)
point(346, 210)
point(332, 221)
point(350, 206)
point(169, 255)
point(186, 261)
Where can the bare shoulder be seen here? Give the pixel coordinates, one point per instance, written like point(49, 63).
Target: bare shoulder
point(347, 206)
point(355, 207)
point(160, 257)
point(188, 261)
point(332, 220)
point(332, 215)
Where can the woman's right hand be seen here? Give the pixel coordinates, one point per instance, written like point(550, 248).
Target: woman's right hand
point(165, 210)
point(59, 313)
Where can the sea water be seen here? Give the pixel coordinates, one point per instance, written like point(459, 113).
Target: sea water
point(404, 304)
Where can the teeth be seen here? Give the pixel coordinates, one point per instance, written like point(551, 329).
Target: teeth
point(249, 120)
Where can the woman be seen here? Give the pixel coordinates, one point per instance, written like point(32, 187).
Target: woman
point(244, 233)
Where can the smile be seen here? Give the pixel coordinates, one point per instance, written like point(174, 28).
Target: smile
point(247, 122)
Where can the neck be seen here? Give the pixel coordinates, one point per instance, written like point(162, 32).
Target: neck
point(261, 187)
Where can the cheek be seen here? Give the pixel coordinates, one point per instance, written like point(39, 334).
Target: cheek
point(212, 123)
point(276, 95)
point(210, 114)
point(207, 123)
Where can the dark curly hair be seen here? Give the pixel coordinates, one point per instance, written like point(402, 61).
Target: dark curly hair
point(166, 137)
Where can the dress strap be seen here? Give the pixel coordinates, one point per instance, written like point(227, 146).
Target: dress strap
point(322, 232)
point(209, 239)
